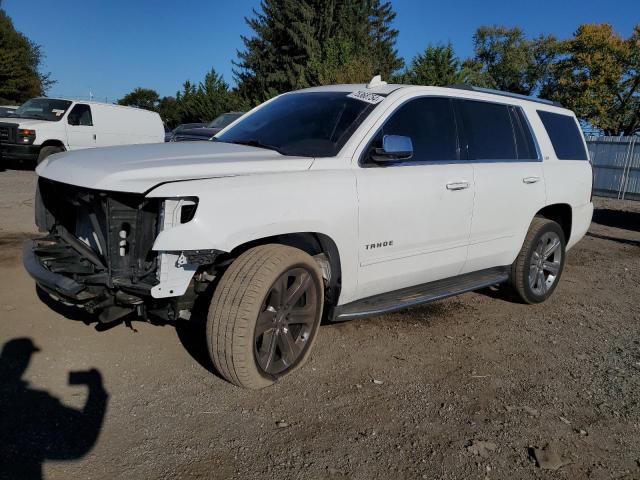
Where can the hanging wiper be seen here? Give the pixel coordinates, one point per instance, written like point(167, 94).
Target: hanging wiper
point(257, 143)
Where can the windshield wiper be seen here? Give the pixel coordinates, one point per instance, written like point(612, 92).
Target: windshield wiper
point(33, 117)
point(257, 143)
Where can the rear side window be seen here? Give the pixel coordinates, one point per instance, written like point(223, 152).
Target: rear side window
point(431, 125)
point(488, 130)
point(525, 146)
point(564, 135)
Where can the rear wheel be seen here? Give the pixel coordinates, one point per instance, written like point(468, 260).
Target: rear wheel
point(536, 272)
point(46, 151)
point(264, 315)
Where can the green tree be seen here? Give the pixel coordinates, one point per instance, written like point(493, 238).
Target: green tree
point(340, 61)
point(275, 58)
point(205, 101)
point(169, 112)
point(299, 43)
point(141, 98)
point(510, 61)
point(437, 65)
point(598, 77)
point(383, 39)
point(20, 62)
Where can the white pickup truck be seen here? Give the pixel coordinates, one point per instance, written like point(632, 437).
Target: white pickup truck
point(327, 203)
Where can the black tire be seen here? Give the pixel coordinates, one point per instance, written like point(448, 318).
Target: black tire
point(46, 151)
point(243, 303)
point(527, 281)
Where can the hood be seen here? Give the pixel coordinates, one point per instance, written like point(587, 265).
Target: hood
point(27, 122)
point(139, 168)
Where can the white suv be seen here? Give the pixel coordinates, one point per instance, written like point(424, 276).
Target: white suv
point(332, 202)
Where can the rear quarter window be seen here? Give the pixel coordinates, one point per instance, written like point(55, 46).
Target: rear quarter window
point(564, 134)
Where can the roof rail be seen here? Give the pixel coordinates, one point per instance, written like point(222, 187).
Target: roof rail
point(464, 86)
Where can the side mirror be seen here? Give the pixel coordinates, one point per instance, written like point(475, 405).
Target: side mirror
point(394, 147)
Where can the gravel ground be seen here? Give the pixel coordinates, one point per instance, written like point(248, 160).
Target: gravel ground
point(471, 387)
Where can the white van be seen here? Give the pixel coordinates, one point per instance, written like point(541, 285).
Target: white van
point(44, 126)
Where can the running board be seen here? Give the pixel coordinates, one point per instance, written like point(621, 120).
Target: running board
point(427, 292)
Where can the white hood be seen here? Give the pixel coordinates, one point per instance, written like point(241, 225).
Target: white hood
point(139, 168)
point(26, 122)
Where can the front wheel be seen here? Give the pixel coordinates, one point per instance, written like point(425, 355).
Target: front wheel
point(46, 151)
point(536, 272)
point(264, 315)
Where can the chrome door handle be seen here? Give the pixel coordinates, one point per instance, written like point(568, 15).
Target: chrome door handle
point(457, 185)
point(531, 179)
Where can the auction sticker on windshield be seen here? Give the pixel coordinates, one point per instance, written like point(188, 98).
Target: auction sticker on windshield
point(366, 97)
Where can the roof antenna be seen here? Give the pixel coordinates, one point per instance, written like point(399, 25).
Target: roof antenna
point(376, 82)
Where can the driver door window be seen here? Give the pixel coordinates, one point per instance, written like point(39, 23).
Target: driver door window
point(80, 116)
point(80, 130)
point(431, 125)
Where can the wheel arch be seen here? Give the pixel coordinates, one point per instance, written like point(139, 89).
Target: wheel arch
point(562, 214)
point(53, 143)
point(313, 243)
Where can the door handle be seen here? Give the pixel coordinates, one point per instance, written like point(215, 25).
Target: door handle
point(531, 179)
point(94, 136)
point(457, 185)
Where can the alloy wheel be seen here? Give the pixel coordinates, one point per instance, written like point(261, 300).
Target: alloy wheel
point(286, 321)
point(546, 261)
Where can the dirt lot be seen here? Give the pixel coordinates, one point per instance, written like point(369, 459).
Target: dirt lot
point(464, 388)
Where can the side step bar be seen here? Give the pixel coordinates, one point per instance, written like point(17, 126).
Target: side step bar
point(419, 294)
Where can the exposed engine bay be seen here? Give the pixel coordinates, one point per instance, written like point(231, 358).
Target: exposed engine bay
point(97, 253)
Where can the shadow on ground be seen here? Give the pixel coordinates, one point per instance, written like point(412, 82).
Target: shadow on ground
point(34, 425)
point(626, 241)
point(617, 218)
point(191, 333)
point(9, 164)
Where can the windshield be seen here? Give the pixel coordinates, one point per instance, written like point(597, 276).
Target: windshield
point(313, 124)
point(223, 120)
point(43, 109)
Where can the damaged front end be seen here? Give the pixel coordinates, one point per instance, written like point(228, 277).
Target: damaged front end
point(98, 252)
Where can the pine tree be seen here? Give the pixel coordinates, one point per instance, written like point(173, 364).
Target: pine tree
point(275, 59)
point(383, 36)
point(205, 101)
point(437, 65)
point(299, 43)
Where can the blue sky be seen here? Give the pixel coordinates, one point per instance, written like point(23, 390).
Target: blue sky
point(114, 46)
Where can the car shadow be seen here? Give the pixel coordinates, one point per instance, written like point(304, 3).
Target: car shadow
point(502, 292)
point(617, 218)
point(34, 425)
point(68, 311)
point(626, 241)
point(10, 164)
point(191, 333)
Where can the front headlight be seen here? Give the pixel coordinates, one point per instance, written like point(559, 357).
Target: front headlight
point(26, 136)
